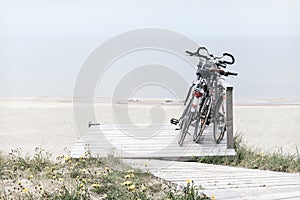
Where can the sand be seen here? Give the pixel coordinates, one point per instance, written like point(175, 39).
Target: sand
point(49, 123)
point(270, 128)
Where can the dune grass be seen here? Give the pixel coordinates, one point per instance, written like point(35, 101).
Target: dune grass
point(42, 177)
point(254, 159)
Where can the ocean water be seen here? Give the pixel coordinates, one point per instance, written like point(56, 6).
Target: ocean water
point(268, 67)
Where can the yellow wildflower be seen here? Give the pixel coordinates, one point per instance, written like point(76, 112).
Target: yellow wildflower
point(30, 177)
point(96, 185)
point(213, 197)
point(188, 181)
point(127, 183)
point(131, 188)
point(143, 188)
point(81, 185)
point(260, 154)
point(129, 175)
point(60, 179)
point(145, 164)
point(25, 190)
point(130, 171)
point(67, 158)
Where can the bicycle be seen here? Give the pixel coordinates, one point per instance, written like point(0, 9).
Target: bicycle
point(206, 104)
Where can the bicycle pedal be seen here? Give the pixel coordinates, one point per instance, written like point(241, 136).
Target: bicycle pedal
point(174, 121)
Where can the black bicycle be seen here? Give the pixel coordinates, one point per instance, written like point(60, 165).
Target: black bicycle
point(206, 103)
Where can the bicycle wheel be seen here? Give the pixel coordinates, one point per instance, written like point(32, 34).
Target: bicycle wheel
point(185, 126)
point(202, 119)
point(185, 112)
point(182, 122)
point(219, 121)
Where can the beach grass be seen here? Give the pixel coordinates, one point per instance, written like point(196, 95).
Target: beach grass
point(255, 159)
point(40, 176)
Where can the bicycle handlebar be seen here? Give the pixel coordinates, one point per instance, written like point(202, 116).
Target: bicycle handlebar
point(196, 54)
point(222, 72)
point(228, 62)
point(219, 62)
point(230, 74)
point(190, 53)
point(221, 65)
point(202, 48)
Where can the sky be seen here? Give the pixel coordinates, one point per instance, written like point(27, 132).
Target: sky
point(43, 44)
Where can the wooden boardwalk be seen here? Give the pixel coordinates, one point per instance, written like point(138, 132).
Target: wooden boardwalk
point(155, 141)
point(225, 182)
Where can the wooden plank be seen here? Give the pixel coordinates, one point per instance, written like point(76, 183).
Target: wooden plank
point(130, 142)
point(223, 181)
point(255, 193)
point(237, 184)
point(229, 117)
point(229, 112)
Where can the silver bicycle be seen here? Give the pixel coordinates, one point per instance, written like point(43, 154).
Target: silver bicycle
point(204, 103)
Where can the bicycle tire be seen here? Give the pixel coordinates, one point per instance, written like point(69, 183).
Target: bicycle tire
point(182, 121)
point(182, 135)
point(218, 132)
point(195, 135)
point(221, 136)
point(184, 130)
point(187, 107)
point(206, 110)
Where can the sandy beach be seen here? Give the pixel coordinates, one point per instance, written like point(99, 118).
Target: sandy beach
point(28, 123)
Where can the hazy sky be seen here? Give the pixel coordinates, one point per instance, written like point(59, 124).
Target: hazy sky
point(44, 43)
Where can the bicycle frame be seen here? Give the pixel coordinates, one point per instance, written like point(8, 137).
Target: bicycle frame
point(205, 98)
